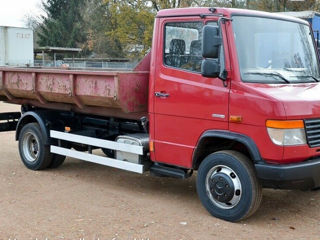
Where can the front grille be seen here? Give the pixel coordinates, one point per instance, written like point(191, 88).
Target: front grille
point(313, 132)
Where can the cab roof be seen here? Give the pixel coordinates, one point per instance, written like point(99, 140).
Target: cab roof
point(227, 12)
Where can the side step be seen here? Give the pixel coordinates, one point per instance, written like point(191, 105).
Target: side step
point(9, 121)
point(162, 170)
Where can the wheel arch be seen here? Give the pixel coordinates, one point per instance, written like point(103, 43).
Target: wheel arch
point(215, 140)
point(31, 117)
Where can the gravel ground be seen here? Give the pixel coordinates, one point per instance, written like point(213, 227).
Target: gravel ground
point(86, 201)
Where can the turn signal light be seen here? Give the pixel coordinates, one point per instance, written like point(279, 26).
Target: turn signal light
point(235, 119)
point(151, 146)
point(287, 124)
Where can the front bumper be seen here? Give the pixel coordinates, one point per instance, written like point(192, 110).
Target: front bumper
point(303, 175)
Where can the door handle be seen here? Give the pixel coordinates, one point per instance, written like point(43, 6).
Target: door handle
point(161, 94)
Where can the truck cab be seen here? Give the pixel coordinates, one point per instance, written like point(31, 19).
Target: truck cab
point(236, 80)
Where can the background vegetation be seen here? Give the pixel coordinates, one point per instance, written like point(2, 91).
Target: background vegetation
point(113, 28)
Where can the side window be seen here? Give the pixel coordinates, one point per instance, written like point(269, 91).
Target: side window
point(212, 23)
point(183, 42)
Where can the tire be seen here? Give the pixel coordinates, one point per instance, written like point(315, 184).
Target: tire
point(108, 152)
point(228, 187)
point(56, 161)
point(80, 148)
point(34, 154)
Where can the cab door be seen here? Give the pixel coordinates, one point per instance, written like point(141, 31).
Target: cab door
point(185, 103)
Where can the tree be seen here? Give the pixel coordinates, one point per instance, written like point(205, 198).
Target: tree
point(284, 5)
point(33, 22)
point(113, 28)
point(99, 21)
point(63, 25)
point(134, 25)
point(119, 28)
point(164, 4)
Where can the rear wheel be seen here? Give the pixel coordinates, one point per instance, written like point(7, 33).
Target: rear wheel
point(57, 161)
point(227, 186)
point(33, 152)
point(108, 152)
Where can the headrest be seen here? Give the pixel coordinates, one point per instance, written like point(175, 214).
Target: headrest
point(195, 48)
point(177, 46)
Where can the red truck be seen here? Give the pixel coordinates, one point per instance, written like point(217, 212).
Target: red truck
point(232, 94)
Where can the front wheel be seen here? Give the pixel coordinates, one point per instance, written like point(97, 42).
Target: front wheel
point(227, 186)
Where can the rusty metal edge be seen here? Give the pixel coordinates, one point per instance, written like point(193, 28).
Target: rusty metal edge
point(3, 87)
point(98, 111)
point(34, 89)
point(77, 101)
point(1, 80)
point(63, 71)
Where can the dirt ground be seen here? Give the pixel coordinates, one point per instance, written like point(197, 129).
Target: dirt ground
point(86, 201)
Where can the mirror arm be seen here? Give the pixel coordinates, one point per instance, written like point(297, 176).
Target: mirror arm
point(223, 20)
point(223, 76)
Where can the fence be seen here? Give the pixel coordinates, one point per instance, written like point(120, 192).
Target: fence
point(86, 64)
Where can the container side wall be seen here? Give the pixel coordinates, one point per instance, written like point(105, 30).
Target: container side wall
point(133, 92)
point(123, 95)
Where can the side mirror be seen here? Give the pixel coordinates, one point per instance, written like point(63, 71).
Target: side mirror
point(211, 42)
point(210, 68)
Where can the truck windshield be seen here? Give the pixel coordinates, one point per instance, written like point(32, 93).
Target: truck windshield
point(275, 51)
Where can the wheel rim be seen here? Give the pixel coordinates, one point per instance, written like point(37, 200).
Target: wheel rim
point(30, 147)
point(223, 187)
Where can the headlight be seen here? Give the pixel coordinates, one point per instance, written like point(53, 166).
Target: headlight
point(286, 133)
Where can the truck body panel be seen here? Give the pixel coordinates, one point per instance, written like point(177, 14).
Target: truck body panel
point(117, 94)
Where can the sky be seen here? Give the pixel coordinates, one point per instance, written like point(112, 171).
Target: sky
point(13, 12)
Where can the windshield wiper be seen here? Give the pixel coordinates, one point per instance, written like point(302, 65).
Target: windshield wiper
point(310, 76)
point(271, 74)
point(295, 69)
point(302, 70)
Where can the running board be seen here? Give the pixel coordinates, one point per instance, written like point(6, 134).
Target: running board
point(160, 170)
point(89, 157)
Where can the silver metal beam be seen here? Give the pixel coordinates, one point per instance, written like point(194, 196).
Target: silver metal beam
point(97, 142)
point(128, 166)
